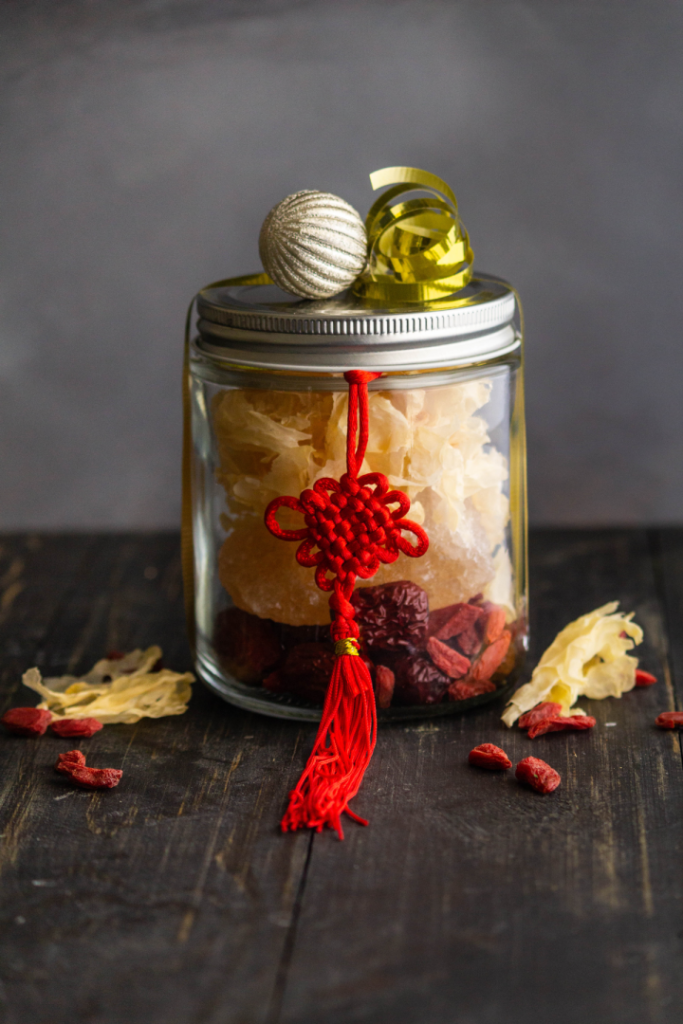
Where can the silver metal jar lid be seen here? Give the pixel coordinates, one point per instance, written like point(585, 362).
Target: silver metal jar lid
point(264, 327)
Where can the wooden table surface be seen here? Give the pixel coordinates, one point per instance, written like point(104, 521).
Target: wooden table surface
point(469, 899)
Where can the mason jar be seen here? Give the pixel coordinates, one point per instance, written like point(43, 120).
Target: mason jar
point(268, 398)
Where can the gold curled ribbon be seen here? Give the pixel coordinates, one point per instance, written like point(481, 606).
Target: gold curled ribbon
point(418, 249)
point(349, 646)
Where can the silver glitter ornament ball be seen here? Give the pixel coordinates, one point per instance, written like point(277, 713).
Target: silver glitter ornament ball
point(313, 244)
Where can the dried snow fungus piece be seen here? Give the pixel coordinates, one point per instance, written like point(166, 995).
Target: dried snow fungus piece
point(66, 763)
point(26, 721)
point(68, 727)
point(385, 681)
point(488, 755)
point(670, 720)
point(537, 774)
point(587, 658)
point(95, 778)
point(558, 724)
point(305, 672)
point(393, 615)
point(418, 681)
point(547, 709)
point(645, 678)
point(248, 647)
point(116, 690)
point(450, 661)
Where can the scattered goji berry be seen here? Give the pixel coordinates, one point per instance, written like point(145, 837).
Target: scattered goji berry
point(491, 657)
point(67, 762)
point(644, 678)
point(451, 662)
point(95, 778)
point(487, 755)
point(577, 722)
point(75, 726)
point(548, 709)
point(385, 681)
point(115, 655)
point(26, 721)
point(670, 720)
point(537, 774)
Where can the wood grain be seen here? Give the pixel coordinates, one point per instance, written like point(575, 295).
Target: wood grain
point(468, 900)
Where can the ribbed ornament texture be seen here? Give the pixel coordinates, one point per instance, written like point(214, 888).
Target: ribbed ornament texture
point(313, 244)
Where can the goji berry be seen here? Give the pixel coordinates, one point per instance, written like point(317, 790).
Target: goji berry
point(95, 778)
point(670, 720)
point(75, 726)
point(487, 755)
point(548, 709)
point(577, 722)
point(644, 678)
point(385, 680)
point(445, 623)
point(537, 774)
point(495, 624)
point(26, 721)
point(467, 688)
point(451, 662)
point(491, 657)
point(67, 762)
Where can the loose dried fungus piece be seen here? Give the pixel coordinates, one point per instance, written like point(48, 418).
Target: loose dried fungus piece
point(393, 615)
point(247, 646)
point(450, 661)
point(670, 720)
point(488, 755)
point(418, 681)
point(385, 681)
point(547, 709)
point(67, 762)
point(116, 690)
point(645, 678)
point(68, 727)
point(26, 721)
point(537, 774)
point(560, 724)
point(587, 658)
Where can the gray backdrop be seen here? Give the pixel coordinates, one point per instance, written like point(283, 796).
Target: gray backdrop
point(144, 141)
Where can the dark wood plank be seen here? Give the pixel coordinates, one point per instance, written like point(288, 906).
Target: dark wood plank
point(169, 899)
point(471, 900)
point(668, 552)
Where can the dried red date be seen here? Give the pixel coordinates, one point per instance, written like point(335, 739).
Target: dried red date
point(453, 664)
point(557, 724)
point(393, 615)
point(670, 720)
point(247, 646)
point(487, 755)
point(95, 778)
point(491, 657)
point(537, 774)
point(548, 709)
point(418, 681)
point(26, 721)
point(67, 762)
point(466, 689)
point(644, 678)
point(75, 726)
point(306, 671)
point(385, 681)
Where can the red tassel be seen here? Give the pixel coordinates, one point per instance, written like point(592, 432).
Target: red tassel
point(354, 531)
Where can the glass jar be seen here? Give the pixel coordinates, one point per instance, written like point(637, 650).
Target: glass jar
point(446, 425)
